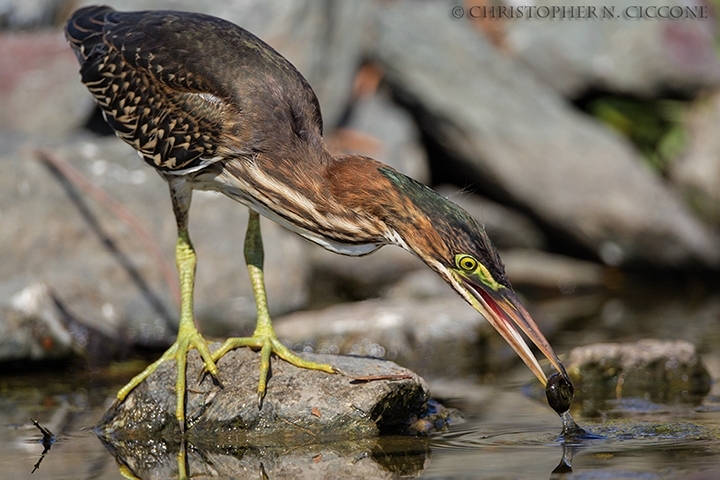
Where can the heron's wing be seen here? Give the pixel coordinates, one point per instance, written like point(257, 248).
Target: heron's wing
point(179, 86)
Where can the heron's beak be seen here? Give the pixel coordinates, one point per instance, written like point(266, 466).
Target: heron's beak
point(505, 312)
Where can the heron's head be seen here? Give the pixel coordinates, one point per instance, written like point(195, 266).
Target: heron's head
point(451, 242)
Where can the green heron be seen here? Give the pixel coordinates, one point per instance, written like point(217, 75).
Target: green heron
point(212, 107)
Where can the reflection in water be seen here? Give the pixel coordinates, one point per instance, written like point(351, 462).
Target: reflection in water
point(48, 438)
point(383, 457)
point(572, 439)
point(565, 465)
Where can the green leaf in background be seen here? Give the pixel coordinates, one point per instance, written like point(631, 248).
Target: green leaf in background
point(654, 126)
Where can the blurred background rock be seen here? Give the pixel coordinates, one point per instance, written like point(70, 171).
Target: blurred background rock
point(587, 147)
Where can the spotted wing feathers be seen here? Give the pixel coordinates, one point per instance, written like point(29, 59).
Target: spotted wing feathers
point(175, 123)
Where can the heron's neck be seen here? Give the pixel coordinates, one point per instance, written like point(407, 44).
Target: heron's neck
point(369, 188)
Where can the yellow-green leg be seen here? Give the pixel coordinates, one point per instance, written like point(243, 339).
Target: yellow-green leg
point(264, 337)
point(188, 335)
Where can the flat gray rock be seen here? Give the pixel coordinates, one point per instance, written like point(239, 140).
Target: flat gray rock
point(551, 271)
point(300, 405)
point(434, 336)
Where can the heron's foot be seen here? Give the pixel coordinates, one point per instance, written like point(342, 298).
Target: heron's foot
point(188, 338)
point(269, 344)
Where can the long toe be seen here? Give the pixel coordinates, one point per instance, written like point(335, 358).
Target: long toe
point(267, 346)
point(186, 341)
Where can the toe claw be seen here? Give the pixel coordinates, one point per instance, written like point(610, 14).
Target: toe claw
point(204, 372)
point(201, 376)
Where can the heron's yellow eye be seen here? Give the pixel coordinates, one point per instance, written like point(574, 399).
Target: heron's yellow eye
point(466, 262)
point(473, 268)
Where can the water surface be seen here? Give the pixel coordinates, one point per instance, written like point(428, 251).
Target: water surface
point(503, 434)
